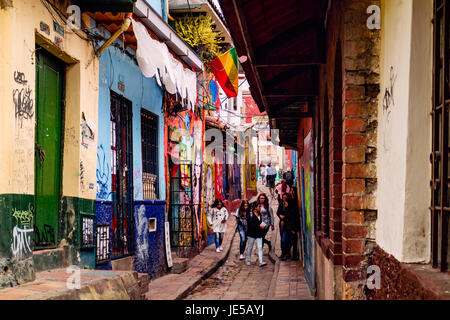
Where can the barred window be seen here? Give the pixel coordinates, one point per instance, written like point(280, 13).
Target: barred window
point(149, 134)
point(440, 183)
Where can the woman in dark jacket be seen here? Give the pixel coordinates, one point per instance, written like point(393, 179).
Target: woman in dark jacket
point(290, 228)
point(255, 233)
point(241, 215)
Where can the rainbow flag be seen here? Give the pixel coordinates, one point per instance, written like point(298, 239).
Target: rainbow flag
point(226, 70)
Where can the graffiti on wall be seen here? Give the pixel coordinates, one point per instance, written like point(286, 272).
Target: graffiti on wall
point(22, 98)
point(44, 237)
point(137, 176)
point(87, 131)
point(22, 232)
point(102, 173)
point(308, 207)
point(142, 245)
point(81, 175)
point(388, 104)
point(388, 99)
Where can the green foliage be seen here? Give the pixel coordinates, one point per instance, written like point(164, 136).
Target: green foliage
point(200, 35)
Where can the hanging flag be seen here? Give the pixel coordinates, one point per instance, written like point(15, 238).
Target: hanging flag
point(226, 70)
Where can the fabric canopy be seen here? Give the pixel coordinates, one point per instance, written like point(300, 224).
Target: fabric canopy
point(155, 60)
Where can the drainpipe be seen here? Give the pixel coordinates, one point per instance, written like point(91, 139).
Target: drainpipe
point(124, 27)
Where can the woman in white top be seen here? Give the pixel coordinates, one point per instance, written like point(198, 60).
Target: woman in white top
point(217, 218)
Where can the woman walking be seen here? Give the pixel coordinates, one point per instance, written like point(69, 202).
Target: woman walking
point(255, 233)
point(291, 225)
point(242, 215)
point(217, 219)
point(267, 216)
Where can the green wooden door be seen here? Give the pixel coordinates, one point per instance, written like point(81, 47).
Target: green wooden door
point(49, 82)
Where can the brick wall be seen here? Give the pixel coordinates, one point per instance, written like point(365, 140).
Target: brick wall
point(361, 49)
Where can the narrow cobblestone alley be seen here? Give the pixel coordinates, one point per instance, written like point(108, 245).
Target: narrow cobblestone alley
point(235, 280)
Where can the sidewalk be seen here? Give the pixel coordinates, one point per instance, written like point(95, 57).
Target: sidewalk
point(178, 286)
point(95, 285)
point(288, 281)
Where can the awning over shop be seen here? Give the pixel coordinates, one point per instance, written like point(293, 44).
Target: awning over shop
point(284, 42)
point(105, 5)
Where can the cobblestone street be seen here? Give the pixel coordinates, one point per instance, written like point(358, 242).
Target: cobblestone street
point(235, 280)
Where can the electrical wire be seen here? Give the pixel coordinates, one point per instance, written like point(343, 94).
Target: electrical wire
point(59, 16)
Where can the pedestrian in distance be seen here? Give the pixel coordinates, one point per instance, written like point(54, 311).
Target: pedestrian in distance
point(289, 177)
point(282, 189)
point(218, 220)
point(242, 214)
point(267, 216)
point(270, 178)
point(262, 174)
point(255, 233)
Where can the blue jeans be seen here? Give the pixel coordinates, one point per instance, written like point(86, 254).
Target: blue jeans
point(218, 238)
point(258, 241)
point(289, 240)
point(243, 237)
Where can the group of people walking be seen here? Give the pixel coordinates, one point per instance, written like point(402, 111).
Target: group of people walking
point(254, 221)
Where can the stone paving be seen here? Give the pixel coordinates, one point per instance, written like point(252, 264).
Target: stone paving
point(235, 280)
point(279, 280)
point(209, 276)
point(94, 285)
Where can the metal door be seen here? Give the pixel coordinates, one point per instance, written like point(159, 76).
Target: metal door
point(181, 207)
point(49, 88)
point(122, 177)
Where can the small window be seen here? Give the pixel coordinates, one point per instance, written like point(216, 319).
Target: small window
point(152, 224)
point(149, 134)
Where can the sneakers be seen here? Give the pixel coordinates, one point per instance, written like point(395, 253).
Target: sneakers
point(221, 248)
point(217, 250)
point(248, 263)
point(262, 264)
point(241, 257)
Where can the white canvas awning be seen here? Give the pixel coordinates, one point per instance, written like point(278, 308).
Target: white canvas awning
point(155, 60)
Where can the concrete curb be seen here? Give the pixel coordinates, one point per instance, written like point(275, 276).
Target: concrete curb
point(119, 287)
point(208, 271)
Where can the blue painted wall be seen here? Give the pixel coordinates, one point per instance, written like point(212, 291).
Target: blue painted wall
point(143, 92)
point(104, 215)
point(158, 6)
point(150, 256)
point(116, 66)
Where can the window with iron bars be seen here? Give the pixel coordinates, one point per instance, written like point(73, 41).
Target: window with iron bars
point(149, 134)
point(440, 182)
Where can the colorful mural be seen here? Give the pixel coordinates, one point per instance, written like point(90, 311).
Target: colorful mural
point(307, 186)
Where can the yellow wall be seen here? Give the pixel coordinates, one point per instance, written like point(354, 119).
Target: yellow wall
point(19, 34)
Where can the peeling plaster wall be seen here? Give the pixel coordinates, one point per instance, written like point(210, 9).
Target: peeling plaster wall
point(20, 32)
point(402, 227)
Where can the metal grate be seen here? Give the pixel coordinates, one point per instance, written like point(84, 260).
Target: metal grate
point(122, 176)
point(440, 183)
point(87, 234)
point(149, 134)
point(181, 208)
point(103, 243)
